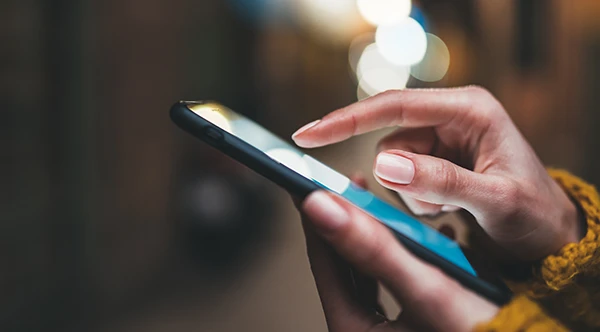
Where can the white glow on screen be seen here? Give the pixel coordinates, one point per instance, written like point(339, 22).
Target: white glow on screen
point(403, 43)
point(214, 116)
point(379, 12)
point(333, 180)
point(290, 159)
point(436, 62)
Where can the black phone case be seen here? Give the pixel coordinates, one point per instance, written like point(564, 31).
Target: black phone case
point(300, 186)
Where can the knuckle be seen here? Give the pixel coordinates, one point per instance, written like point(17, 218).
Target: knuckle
point(483, 103)
point(510, 193)
point(354, 124)
point(396, 97)
point(390, 93)
point(479, 93)
point(449, 178)
point(513, 204)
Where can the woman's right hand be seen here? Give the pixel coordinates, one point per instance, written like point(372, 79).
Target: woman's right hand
point(458, 148)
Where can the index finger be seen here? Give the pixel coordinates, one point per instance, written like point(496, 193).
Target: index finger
point(407, 108)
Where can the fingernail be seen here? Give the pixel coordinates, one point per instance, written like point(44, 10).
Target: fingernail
point(449, 208)
point(305, 128)
point(326, 214)
point(394, 168)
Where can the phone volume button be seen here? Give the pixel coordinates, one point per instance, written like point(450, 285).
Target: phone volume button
point(213, 135)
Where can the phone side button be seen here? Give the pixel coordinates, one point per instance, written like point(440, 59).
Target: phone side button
point(213, 136)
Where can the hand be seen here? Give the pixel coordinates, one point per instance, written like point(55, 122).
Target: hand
point(337, 233)
point(458, 148)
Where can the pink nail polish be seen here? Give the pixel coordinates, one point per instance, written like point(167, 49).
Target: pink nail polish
point(394, 168)
point(305, 128)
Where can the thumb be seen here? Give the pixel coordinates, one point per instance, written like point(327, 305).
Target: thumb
point(431, 179)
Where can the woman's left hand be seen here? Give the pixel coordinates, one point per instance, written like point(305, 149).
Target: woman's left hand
point(339, 235)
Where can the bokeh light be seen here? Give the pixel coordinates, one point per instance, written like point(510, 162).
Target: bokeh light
point(361, 94)
point(376, 74)
point(358, 45)
point(384, 12)
point(371, 58)
point(418, 15)
point(378, 80)
point(334, 20)
point(403, 43)
point(436, 62)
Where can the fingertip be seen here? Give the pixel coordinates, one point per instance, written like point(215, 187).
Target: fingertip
point(324, 212)
point(306, 127)
point(304, 143)
point(302, 136)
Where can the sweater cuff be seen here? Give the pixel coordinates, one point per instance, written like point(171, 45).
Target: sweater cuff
point(557, 272)
point(521, 314)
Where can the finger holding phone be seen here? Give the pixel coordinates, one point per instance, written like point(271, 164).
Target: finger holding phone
point(349, 252)
point(455, 149)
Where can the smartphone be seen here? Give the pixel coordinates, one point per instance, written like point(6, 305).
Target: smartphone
point(300, 174)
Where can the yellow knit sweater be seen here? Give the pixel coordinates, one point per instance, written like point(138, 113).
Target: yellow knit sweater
point(565, 286)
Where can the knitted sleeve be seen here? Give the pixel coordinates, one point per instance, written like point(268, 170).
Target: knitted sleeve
point(568, 284)
point(521, 315)
point(565, 285)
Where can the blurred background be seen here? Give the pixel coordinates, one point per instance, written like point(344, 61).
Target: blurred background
point(112, 219)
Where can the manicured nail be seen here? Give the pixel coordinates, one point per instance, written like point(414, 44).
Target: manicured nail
point(326, 214)
point(305, 128)
point(449, 208)
point(394, 168)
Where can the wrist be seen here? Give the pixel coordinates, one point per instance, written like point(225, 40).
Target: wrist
point(575, 223)
point(569, 230)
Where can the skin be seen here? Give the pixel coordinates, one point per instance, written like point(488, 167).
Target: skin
point(454, 149)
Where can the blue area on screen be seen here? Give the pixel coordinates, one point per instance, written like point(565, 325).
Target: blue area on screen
point(407, 225)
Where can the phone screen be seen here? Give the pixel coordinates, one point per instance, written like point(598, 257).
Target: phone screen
point(305, 165)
